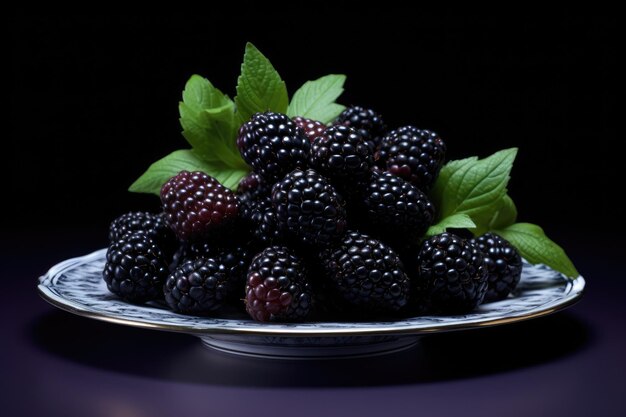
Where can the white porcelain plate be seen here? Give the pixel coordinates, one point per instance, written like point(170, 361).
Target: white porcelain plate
point(76, 285)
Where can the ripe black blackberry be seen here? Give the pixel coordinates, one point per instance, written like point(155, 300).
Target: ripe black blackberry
point(311, 128)
point(252, 185)
point(135, 268)
point(342, 155)
point(233, 256)
point(395, 209)
point(413, 154)
point(278, 287)
point(366, 122)
point(309, 208)
point(197, 206)
point(154, 225)
point(451, 276)
point(273, 145)
point(199, 286)
point(503, 264)
point(366, 273)
point(263, 223)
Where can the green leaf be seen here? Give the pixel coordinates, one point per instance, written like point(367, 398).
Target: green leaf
point(200, 94)
point(316, 99)
point(474, 187)
point(533, 244)
point(259, 87)
point(207, 117)
point(456, 221)
point(505, 216)
point(185, 159)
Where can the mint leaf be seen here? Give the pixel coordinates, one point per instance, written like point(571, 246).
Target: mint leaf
point(207, 117)
point(316, 99)
point(456, 221)
point(505, 216)
point(259, 87)
point(474, 187)
point(533, 244)
point(200, 94)
point(185, 159)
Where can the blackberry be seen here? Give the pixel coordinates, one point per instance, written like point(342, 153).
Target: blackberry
point(451, 276)
point(503, 263)
point(395, 209)
point(197, 206)
point(135, 268)
point(278, 287)
point(341, 155)
point(413, 154)
point(367, 273)
point(253, 185)
point(309, 208)
point(273, 145)
point(311, 128)
point(366, 122)
point(234, 257)
point(254, 197)
point(154, 225)
point(263, 223)
point(198, 286)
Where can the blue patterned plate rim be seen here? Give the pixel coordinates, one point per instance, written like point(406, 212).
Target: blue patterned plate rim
point(76, 286)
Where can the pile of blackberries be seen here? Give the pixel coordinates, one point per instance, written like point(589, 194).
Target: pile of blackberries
point(329, 225)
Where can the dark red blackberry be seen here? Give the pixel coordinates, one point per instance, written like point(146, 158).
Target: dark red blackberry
point(273, 145)
point(503, 263)
point(311, 128)
point(278, 286)
point(197, 206)
point(366, 122)
point(366, 273)
point(342, 155)
point(154, 225)
point(135, 268)
point(309, 208)
point(395, 209)
point(199, 286)
point(413, 154)
point(451, 276)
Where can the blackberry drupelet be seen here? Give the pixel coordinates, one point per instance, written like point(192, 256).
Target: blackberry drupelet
point(342, 155)
point(451, 276)
point(503, 264)
point(366, 122)
point(278, 287)
point(311, 128)
point(273, 145)
point(309, 208)
point(395, 209)
point(135, 268)
point(199, 286)
point(197, 206)
point(366, 273)
point(154, 225)
point(413, 154)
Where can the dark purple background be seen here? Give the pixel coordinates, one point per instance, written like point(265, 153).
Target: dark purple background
point(93, 103)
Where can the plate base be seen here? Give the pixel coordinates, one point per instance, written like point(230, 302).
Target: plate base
point(302, 348)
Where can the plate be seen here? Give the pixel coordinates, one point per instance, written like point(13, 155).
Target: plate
point(76, 285)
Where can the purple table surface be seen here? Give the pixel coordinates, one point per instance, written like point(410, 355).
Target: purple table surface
point(572, 363)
